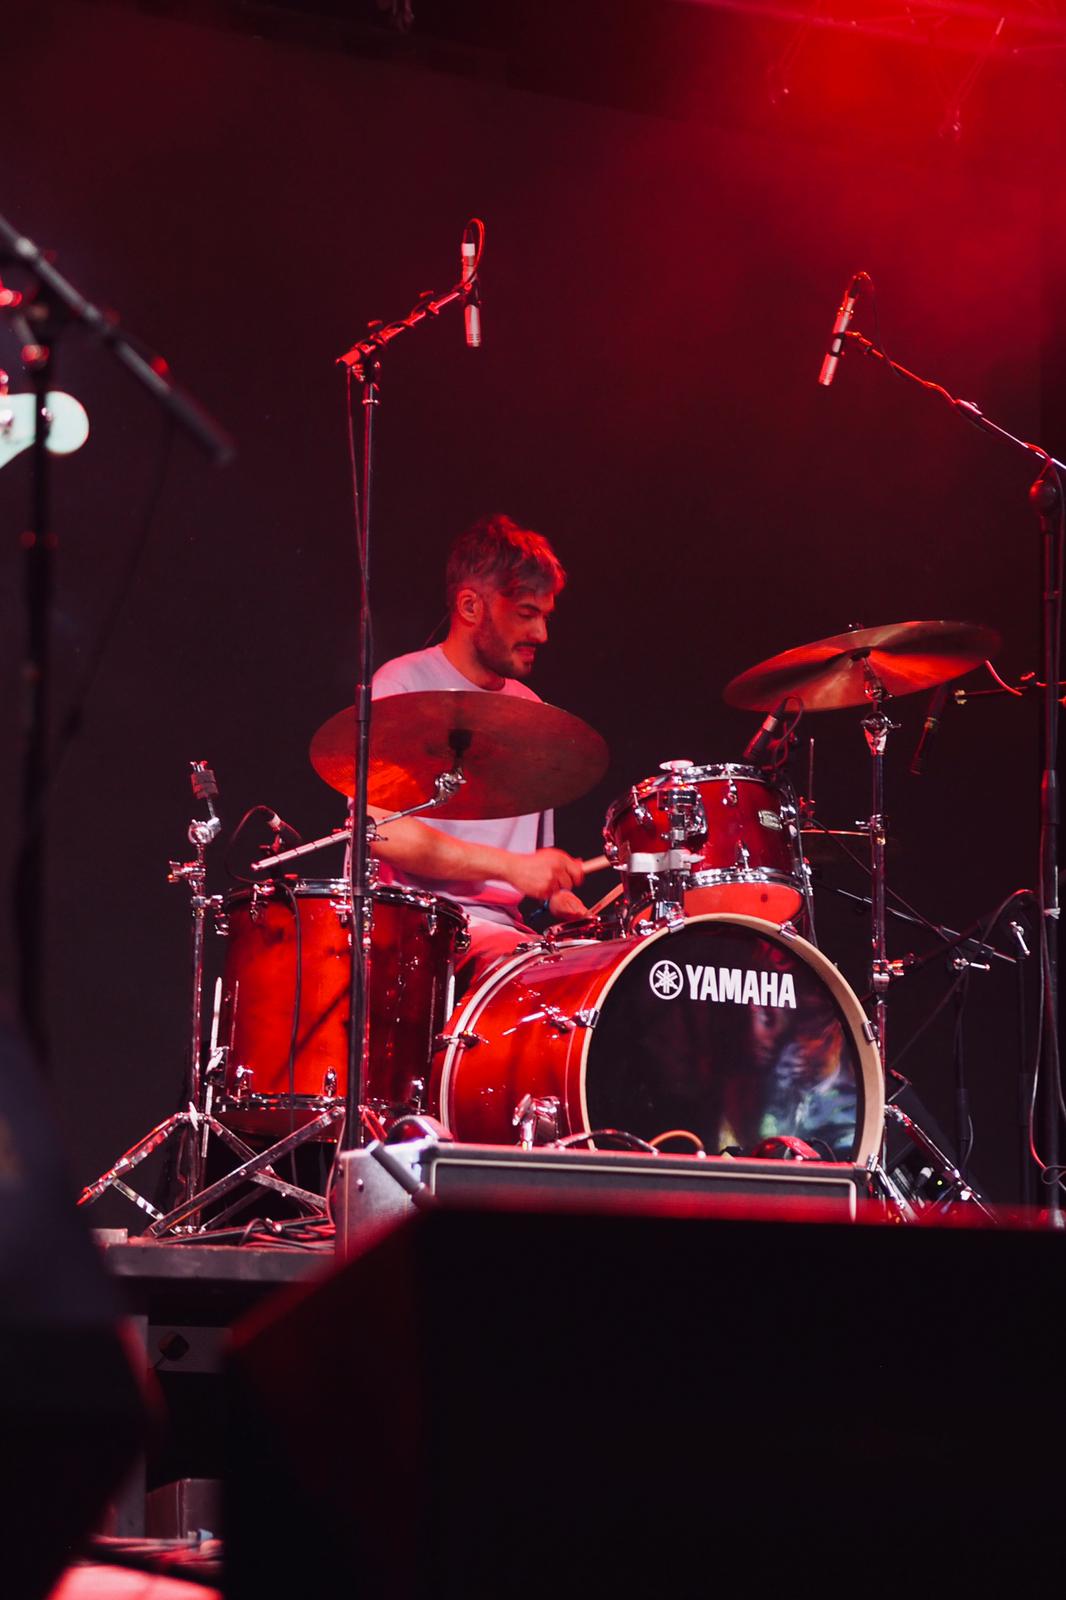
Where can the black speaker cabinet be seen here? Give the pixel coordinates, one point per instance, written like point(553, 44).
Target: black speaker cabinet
point(498, 1403)
point(73, 1415)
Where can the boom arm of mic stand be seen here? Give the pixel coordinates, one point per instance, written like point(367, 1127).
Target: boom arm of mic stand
point(151, 372)
point(965, 408)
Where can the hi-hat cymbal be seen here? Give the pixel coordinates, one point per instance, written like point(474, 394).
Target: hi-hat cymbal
point(905, 657)
point(517, 755)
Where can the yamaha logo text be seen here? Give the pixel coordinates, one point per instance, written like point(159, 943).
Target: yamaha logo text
point(721, 984)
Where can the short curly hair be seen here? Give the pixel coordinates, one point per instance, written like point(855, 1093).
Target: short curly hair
point(497, 552)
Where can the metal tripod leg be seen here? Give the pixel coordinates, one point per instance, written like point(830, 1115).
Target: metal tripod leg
point(259, 1169)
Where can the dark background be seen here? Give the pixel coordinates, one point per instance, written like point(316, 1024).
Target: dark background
point(667, 241)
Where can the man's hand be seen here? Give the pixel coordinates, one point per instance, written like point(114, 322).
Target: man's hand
point(541, 875)
point(564, 905)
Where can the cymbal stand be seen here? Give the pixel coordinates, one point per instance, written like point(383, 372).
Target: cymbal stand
point(194, 1124)
point(877, 725)
point(1048, 501)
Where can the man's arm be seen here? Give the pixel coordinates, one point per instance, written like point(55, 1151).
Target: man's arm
point(420, 848)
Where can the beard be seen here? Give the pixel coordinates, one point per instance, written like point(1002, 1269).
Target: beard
point(495, 655)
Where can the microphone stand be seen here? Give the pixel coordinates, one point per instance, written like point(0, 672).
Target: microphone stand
point(363, 362)
point(1046, 498)
point(37, 319)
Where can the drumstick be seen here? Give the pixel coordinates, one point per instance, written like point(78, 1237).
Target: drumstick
point(595, 910)
point(596, 864)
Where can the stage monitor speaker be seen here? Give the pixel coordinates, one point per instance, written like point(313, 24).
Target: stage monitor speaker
point(74, 1414)
point(548, 1404)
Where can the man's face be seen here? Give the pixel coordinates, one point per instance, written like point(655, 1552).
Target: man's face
point(511, 628)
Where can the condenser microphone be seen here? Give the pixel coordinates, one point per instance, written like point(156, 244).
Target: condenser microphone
point(840, 328)
point(472, 308)
point(933, 712)
point(769, 733)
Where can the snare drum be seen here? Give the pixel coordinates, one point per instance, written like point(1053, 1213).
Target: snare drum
point(285, 1000)
point(726, 1030)
point(705, 839)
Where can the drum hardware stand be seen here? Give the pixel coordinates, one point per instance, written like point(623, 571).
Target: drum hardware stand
point(363, 363)
point(956, 1189)
point(256, 1167)
point(1046, 499)
point(194, 1125)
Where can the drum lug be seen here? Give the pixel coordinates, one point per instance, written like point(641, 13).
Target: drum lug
point(587, 1018)
point(221, 925)
point(537, 1119)
point(743, 858)
point(788, 930)
point(465, 1041)
point(329, 1084)
point(731, 796)
point(242, 1082)
point(869, 1031)
point(260, 892)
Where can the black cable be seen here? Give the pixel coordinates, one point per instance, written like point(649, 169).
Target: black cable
point(227, 861)
point(1016, 894)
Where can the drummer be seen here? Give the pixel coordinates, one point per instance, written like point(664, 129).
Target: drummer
point(501, 583)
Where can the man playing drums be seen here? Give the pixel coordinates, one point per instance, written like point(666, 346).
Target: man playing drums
point(501, 585)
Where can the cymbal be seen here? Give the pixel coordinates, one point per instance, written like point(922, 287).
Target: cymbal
point(518, 756)
point(906, 657)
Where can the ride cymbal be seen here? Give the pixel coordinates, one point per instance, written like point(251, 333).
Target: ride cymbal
point(902, 657)
point(517, 755)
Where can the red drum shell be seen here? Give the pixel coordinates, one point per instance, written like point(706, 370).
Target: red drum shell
point(414, 938)
point(586, 1025)
point(750, 858)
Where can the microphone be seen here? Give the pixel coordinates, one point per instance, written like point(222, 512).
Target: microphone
point(769, 733)
point(840, 328)
point(472, 307)
point(933, 713)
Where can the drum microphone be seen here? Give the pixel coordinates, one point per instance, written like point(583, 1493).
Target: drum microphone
point(770, 732)
point(933, 712)
point(468, 274)
point(840, 328)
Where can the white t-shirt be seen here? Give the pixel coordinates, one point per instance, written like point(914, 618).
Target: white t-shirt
point(488, 898)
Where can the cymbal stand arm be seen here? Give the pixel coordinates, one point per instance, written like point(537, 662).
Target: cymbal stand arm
point(446, 786)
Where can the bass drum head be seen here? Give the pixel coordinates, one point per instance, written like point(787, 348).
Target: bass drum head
point(734, 1032)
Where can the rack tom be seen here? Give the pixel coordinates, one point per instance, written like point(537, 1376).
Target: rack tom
point(286, 1007)
point(719, 838)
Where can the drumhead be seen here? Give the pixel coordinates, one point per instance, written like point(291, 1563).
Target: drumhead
point(735, 1032)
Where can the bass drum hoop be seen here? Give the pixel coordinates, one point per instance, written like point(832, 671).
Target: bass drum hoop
point(854, 1017)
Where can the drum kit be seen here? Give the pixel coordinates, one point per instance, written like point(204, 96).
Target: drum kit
point(690, 1011)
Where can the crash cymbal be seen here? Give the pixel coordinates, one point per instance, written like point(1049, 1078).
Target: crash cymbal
point(518, 755)
point(906, 657)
